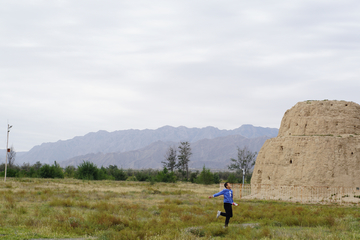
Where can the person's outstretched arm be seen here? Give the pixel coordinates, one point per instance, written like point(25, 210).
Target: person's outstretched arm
point(217, 194)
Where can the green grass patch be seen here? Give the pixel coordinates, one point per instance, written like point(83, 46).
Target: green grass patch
point(68, 208)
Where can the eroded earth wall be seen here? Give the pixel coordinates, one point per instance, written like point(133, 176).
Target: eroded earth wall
point(318, 145)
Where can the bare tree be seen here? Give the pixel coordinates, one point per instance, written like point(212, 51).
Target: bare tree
point(37, 165)
point(26, 167)
point(170, 159)
point(184, 158)
point(245, 160)
point(11, 156)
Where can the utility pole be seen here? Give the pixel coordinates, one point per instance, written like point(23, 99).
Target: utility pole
point(7, 149)
point(243, 170)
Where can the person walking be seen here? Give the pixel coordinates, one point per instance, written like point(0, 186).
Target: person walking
point(228, 202)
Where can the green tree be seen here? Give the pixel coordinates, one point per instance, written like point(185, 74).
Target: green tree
point(37, 165)
point(165, 176)
point(245, 160)
point(102, 174)
point(45, 171)
point(11, 172)
point(87, 171)
point(118, 174)
point(26, 167)
point(141, 176)
point(193, 176)
point(70, 171)
point(205, 177)
point(53, 171)
point(170, 159)
point(216, 178)
point(184, 158)
point(33, 173)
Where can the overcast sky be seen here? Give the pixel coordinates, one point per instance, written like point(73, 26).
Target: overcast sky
point(68, 68)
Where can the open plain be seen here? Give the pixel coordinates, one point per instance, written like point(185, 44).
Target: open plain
point(76, 209)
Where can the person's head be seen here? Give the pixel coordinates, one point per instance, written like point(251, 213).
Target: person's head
point(227, 185)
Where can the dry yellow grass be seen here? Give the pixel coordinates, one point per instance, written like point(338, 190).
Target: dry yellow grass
point(69, 208)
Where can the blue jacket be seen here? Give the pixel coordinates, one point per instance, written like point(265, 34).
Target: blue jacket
point(228, 195)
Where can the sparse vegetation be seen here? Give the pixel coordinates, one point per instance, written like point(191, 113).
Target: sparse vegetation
point(89, 171)
point(33, 208)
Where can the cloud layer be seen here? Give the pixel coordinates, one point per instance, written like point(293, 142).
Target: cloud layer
point(71, 67)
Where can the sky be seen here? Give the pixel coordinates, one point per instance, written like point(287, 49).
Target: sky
point(68, 68)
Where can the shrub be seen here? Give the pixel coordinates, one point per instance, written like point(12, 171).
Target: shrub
point(102, 174)
point(216, 178)
point(11, 172)
point(70, 171)
point(33, 173)
point(141, 176)
point(193, 176)
point(23, 173)
point(118, 174)
point(131, 178)
point(205, 177)
point(165, 176)
point(53, 171)
point(45, 171)
point(87, 171)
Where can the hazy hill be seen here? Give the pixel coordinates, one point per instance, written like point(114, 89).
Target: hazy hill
point(130, 140)
point(214, 153)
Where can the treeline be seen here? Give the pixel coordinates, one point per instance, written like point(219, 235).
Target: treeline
point(89, 171)
point(175, 168)
point(240, 166)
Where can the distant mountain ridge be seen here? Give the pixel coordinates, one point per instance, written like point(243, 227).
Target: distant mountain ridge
point(213, 153)
point(129, 140)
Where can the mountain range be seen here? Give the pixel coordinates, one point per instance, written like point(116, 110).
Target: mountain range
point(146, 148)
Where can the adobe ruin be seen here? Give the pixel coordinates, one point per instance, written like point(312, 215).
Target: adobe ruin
point(318, 146)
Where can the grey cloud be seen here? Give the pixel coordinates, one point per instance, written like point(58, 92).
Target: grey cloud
point(71, 67)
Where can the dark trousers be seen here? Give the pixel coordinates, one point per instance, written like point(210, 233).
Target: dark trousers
point(228, 213)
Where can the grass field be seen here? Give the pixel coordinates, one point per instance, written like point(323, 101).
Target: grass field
point(69, 208)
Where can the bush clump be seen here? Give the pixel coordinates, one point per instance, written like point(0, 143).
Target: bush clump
point(88, 171)
point(53, 171)
point(207, 177)
point(165, 176)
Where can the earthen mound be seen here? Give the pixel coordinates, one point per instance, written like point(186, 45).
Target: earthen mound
point(318, 145)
